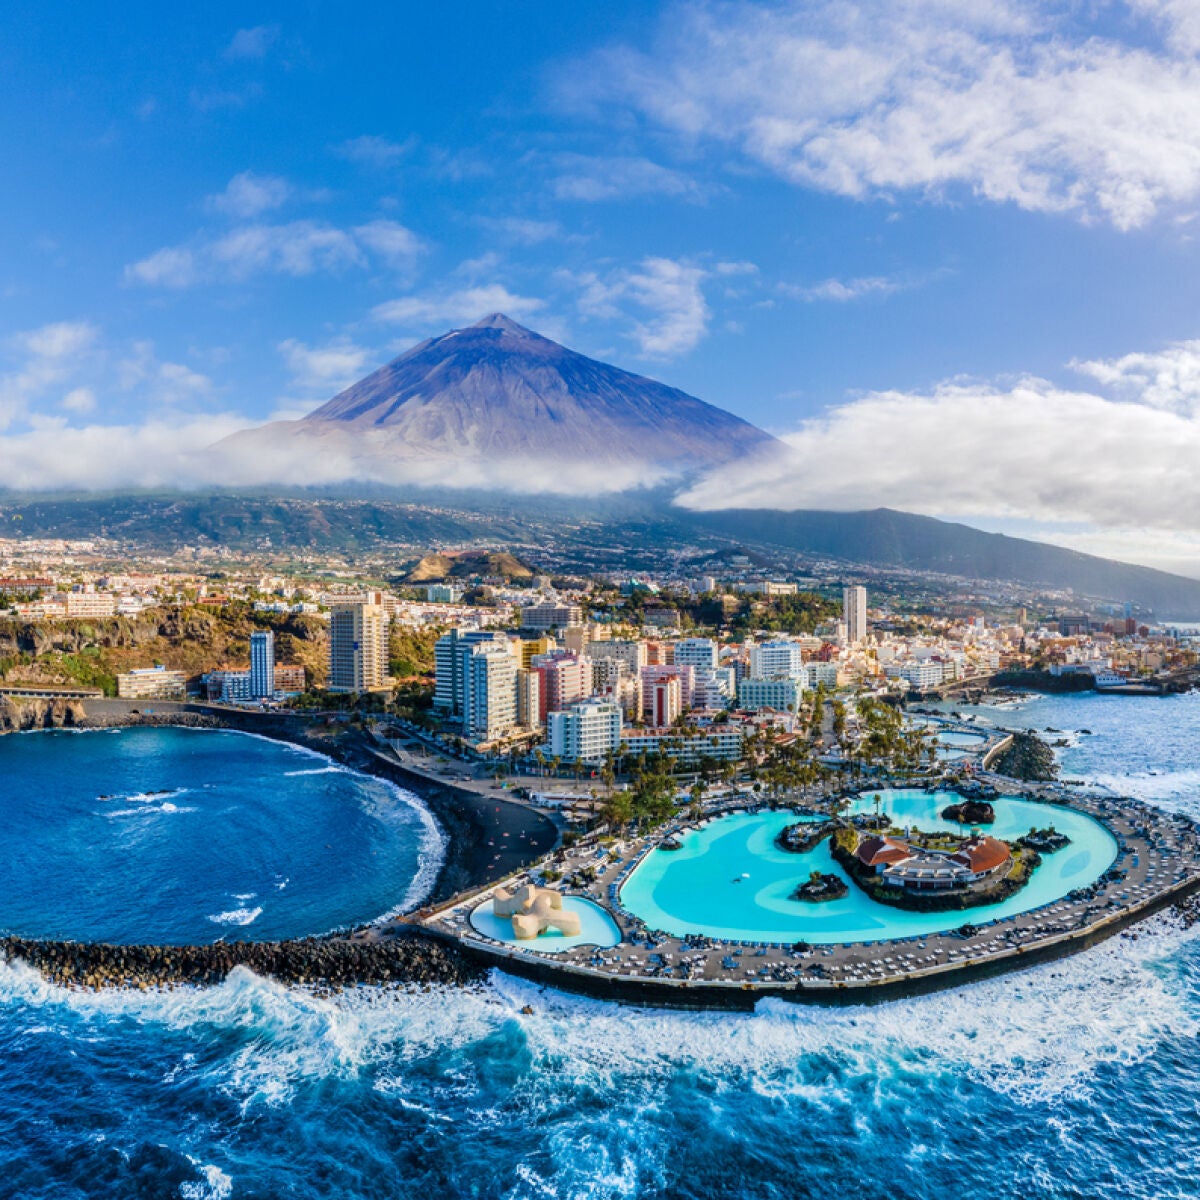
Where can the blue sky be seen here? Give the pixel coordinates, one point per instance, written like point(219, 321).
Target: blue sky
point(948, 248)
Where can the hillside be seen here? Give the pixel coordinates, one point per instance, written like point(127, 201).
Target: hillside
point(886, 538)
point(467, 564)
point(634, 522)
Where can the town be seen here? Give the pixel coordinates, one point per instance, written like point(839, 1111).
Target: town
point(551, 675)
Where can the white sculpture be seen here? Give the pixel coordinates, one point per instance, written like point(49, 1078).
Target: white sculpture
point(534, 910)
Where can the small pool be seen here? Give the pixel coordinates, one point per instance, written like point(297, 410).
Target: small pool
point(598, 928)
point(731, 881)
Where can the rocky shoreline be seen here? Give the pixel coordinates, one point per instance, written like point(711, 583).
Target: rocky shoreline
point(330, 963)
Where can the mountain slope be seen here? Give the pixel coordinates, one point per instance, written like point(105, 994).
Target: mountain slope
point(884, 537)
point(496, 403)
point(629, 523)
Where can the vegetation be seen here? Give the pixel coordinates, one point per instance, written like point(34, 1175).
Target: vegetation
point(189, 638)
point(410, 652)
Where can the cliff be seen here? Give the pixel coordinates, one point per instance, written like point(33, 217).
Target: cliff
point(19, 715)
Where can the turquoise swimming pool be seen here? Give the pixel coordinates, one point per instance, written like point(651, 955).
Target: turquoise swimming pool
point(597, 928)
point(731, 881)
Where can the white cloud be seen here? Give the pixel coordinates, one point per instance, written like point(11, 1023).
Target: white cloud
point(295, 248)
point(153, 454)
point(1029, 450)
point(524, 231)
point(249, 195)
point(1168, 378)
point(376, 151)
point(391, 241)
point(252, 43)
point(172, 266)
point(843, 290)
point(737, 267)
point(328, 368)
point(669, 312)
point(140, 370)
point(1030, 104)
point(79, 400)
point(39, 361)
point(462, 306)
point(588, 178)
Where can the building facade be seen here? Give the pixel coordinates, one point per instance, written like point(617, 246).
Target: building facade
point(777, 660)
point(489, 692)
point(587, 731)
point(782, 695)
point(152, 683)
point(358, 646)
point(262, 664)
point(854, 613)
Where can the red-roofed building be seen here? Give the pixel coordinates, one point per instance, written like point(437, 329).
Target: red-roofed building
point(982, 855)
point(880, 852)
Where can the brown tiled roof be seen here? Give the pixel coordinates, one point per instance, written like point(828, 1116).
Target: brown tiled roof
point(875, 850)
point(982, 854)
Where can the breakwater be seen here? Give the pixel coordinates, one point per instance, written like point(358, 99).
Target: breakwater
point(331, 963)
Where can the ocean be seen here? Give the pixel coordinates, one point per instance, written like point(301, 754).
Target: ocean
point(1076, 1079)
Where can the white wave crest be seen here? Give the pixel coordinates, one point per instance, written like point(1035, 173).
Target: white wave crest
point(148, 810)
point(237, 916)
point(1034, 1037)
point(215, 1185)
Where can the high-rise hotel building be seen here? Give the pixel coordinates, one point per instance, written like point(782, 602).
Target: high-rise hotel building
point(854, 613)
point(262, 664)
point(358, 646)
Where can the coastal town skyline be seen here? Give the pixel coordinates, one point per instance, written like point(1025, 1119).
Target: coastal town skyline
point(788, 253)
point(600, 600)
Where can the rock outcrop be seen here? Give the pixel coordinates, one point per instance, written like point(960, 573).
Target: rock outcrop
point(1028, 758)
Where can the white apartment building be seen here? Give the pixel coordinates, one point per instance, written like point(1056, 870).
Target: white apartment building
point(449, 657)
point(721, 742)
point(91, 604)
point(777, 660)
point(586, 731)
point(700, 653)
point(818, 673)
point(920, 675)
point(714, 689)
point(782, 695)
point(551, 616)
point(489, 691)
point(152, 683)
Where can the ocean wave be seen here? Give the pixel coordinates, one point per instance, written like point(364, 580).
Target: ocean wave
point(332, 769)
point(214, 1184)
point(1177, 791)
point(237, 916)
point(147, 809)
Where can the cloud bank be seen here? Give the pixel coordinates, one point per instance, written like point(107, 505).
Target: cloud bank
point(1028, 450)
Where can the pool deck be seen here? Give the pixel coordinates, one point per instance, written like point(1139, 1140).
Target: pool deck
point(1158, 852)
